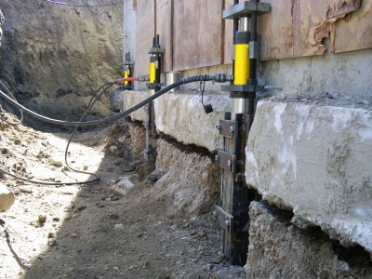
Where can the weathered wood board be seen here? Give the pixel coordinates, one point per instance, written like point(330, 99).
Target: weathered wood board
point(145, 22)
point(197, 34)
point(355, 30)
point(129, 33)
point(228, 35)
point(275, 30)
point(296, 28)
point(315, 20)
point(164, 27)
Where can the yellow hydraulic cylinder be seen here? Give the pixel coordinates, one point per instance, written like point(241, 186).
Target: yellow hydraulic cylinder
point(152, 72)
point(126, 76)
point(241, 64)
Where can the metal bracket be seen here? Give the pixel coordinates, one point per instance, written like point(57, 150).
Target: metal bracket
point(243, 88)
point(246, 8)
point(224, 219)
point(226, 160)
point(253, 50)
point(156, 50)
point(155, 85)
point(127, 87)
point(228, 128)
point(128, 63)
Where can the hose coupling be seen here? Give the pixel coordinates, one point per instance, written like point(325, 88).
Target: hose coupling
point(222, 78)
point(143, 79)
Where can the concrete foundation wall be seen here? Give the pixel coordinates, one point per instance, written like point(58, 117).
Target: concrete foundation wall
point(181, 115)
point(309, 152)
point(316, 161)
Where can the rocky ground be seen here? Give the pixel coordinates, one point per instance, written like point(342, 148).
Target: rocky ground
point(123, 226)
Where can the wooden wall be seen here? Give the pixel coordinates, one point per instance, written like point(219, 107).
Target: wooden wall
point(195, 35)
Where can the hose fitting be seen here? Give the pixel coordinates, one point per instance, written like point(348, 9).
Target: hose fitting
point(143, 79)
point(222, 78)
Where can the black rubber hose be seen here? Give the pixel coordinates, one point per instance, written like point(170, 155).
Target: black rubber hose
point(92, 101)
point(112, 117)
point(20, 110)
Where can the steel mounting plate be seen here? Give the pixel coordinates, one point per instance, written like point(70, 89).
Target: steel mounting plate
point(224, 219)
point(246, 8)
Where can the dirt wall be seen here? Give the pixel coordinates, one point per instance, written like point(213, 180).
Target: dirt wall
point(57, 54)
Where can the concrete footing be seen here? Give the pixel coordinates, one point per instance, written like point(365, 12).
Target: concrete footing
point(182, 116)
point(317, 162)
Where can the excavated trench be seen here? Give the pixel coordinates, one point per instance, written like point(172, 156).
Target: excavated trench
point(157, 226)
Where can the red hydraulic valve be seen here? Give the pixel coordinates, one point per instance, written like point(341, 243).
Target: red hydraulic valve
point(127, 79)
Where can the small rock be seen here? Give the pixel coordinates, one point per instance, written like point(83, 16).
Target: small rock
point(52, 242)
point(118, 226)
point(205, 177)
point(192, 232)
point(74, 235)
point(41, 219)
point(7, 197)
point(85, 167)
point(114, 150)
point(122, 187)
point(202, 234)
point(113, 216)
point(121, 139)
point(139, 235)
point(80, 208)
point(156, 175)
point(25, 190)
point(50, 235)
point(55, 162)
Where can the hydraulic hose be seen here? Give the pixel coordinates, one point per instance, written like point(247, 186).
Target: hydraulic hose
point(20, 111)
point(217, 78)
point(92, 101)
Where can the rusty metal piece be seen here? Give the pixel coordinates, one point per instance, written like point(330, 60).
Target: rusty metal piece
point(224, 219)
point(227, 161)
point(228, 129)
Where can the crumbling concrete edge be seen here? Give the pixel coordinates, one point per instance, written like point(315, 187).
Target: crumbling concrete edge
point(316, 161)
point(181, 116)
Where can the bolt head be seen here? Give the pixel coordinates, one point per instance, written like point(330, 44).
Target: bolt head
point(231, 129)
point(216, 157)
point(219, 126)
point(229, 163)
point(227, 223)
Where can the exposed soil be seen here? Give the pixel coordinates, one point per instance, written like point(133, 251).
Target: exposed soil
point(86, 231)
point(52, 59)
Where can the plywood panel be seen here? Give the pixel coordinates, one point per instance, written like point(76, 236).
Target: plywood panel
point(275, 30)
point(355, 31)
point(197, 33)
point(164, 27)
point(145, 26)
point(228, 35)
